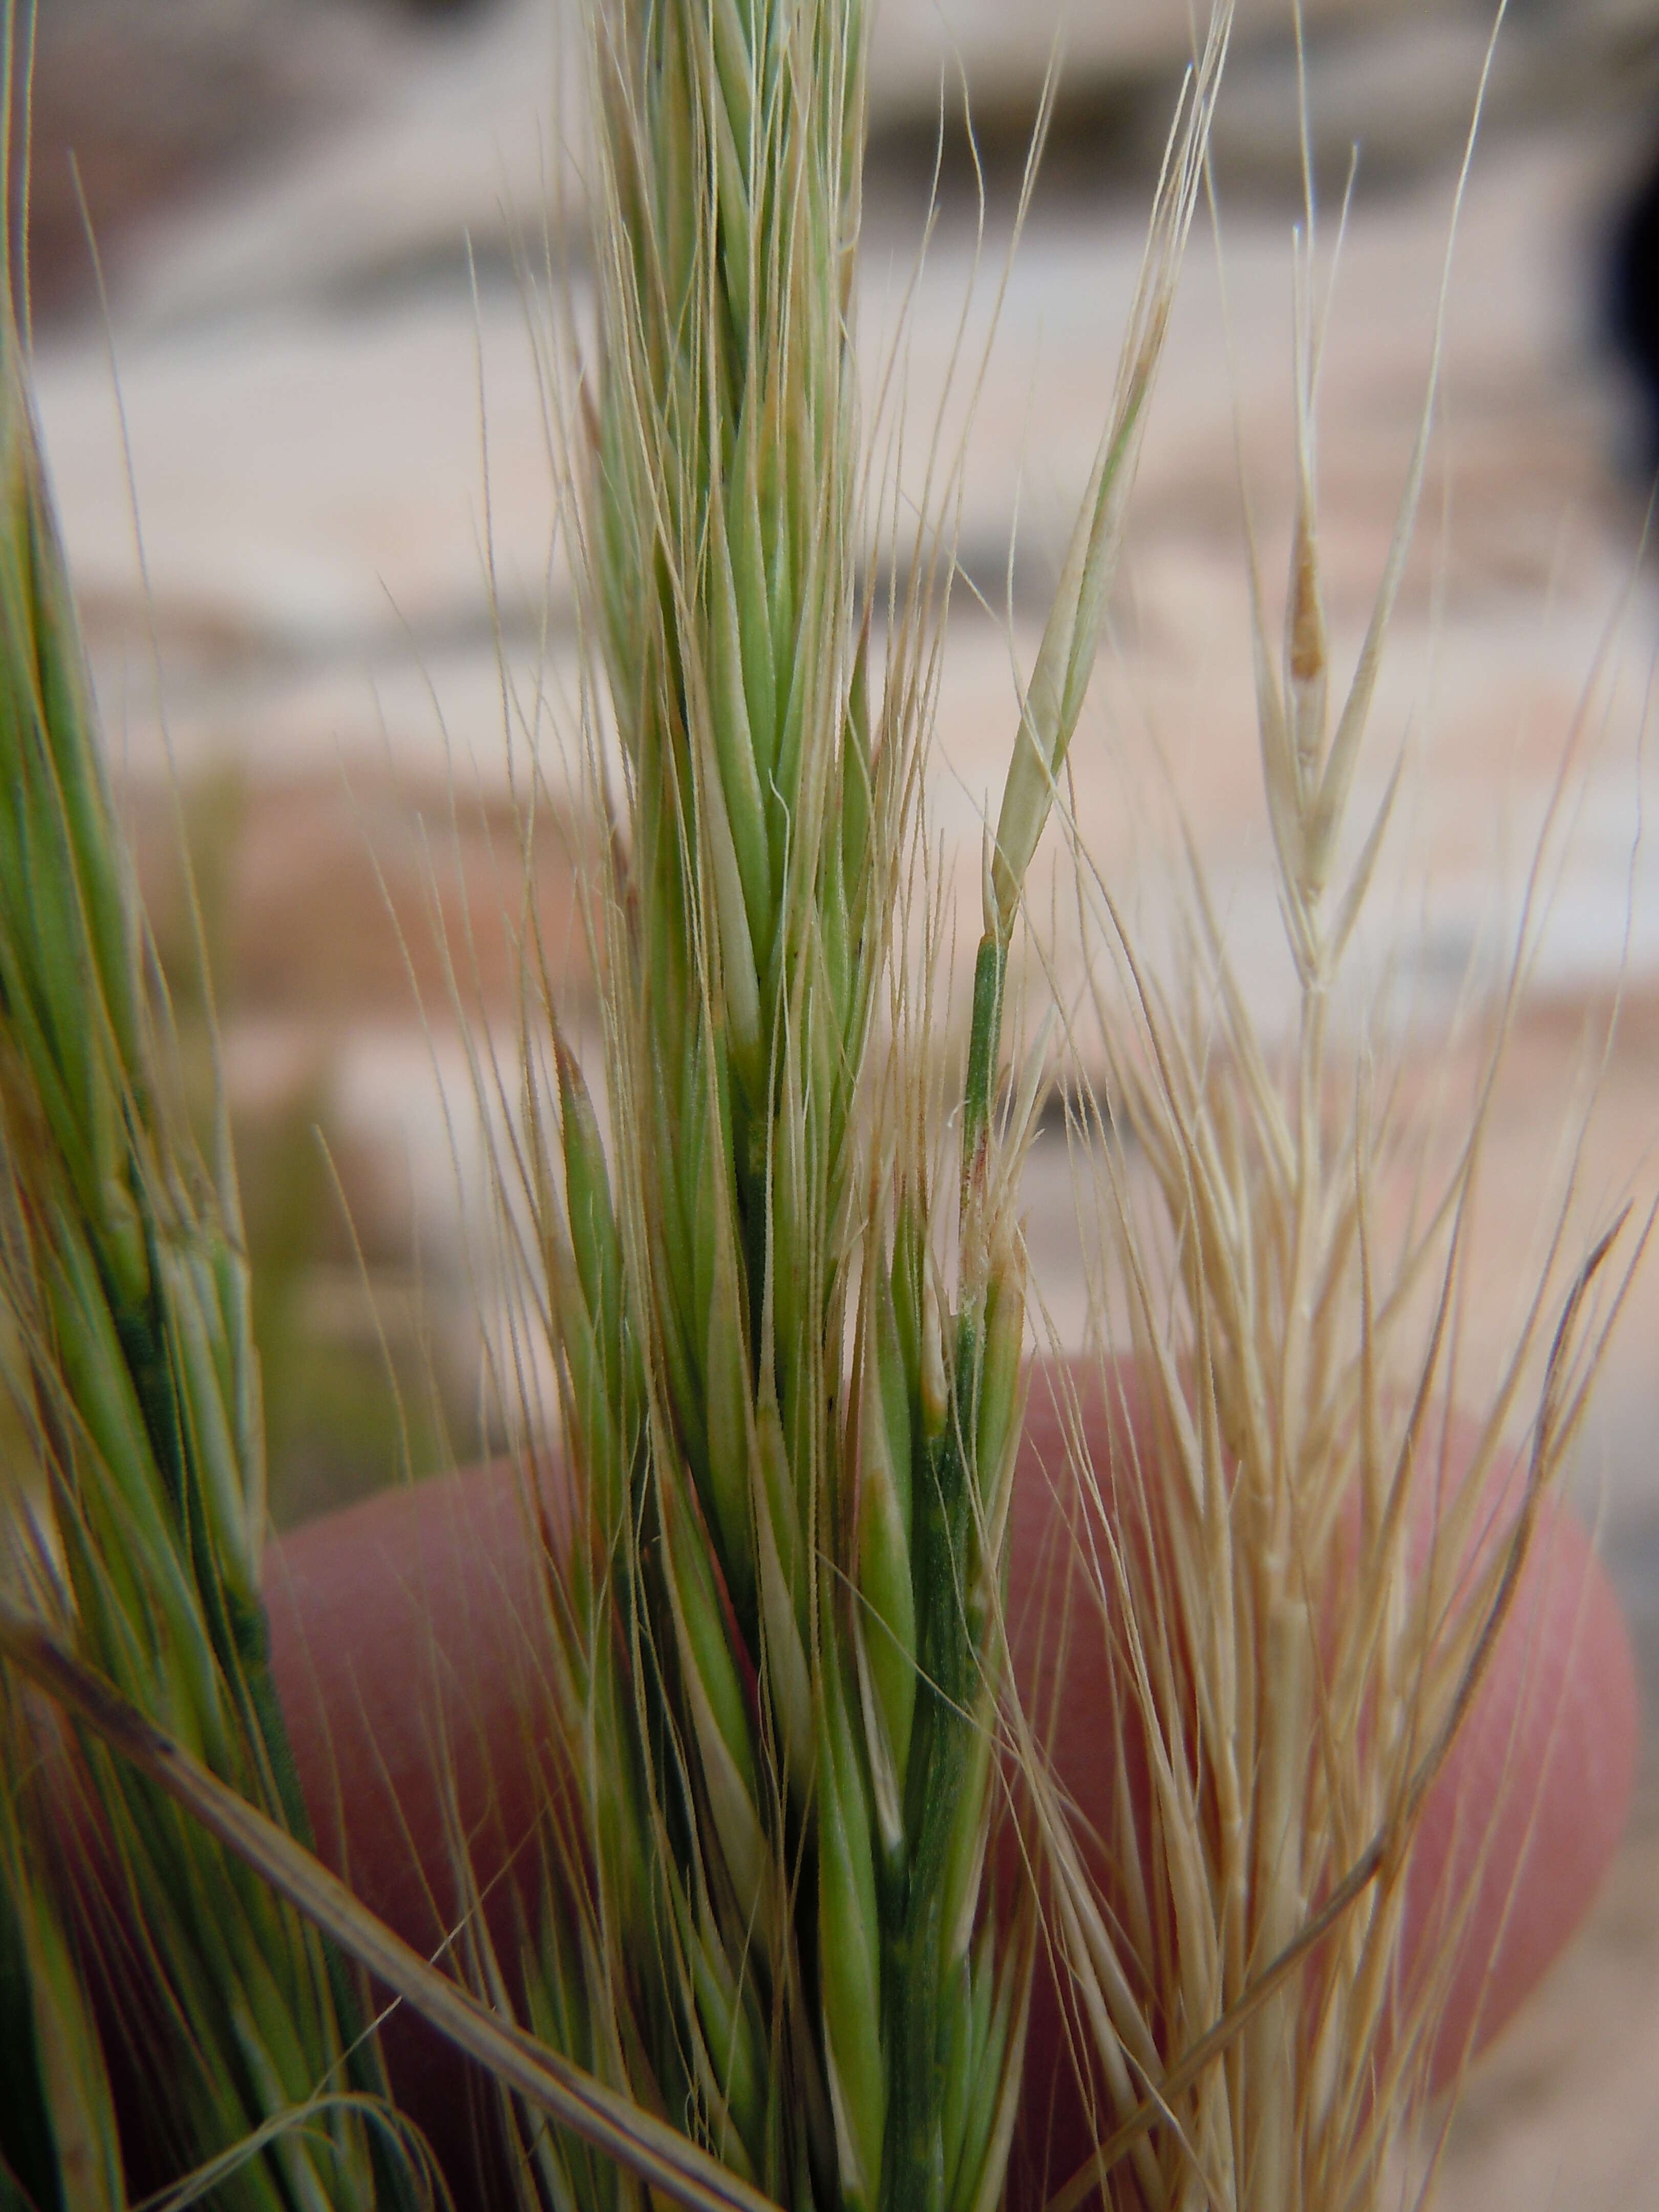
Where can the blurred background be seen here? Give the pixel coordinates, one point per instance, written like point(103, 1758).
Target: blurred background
point(319, 228)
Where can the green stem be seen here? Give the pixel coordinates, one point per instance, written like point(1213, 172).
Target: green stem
point(984, 1048)
point(949, 1660)
point(913, 2166)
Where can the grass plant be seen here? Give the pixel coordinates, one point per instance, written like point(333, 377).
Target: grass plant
point(771, 1318)
point(781, 1658)
point(134, 1483)
point(1302, 1547)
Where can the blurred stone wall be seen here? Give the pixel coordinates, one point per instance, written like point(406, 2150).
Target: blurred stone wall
point(149, 99)
point(159, 99)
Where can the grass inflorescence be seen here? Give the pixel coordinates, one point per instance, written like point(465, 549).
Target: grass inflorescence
point(134, 1486)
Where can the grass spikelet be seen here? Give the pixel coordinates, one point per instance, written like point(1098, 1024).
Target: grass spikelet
point(804, 1675)
point(799, 1610)
point(762, 831)
point(1313, 1559)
